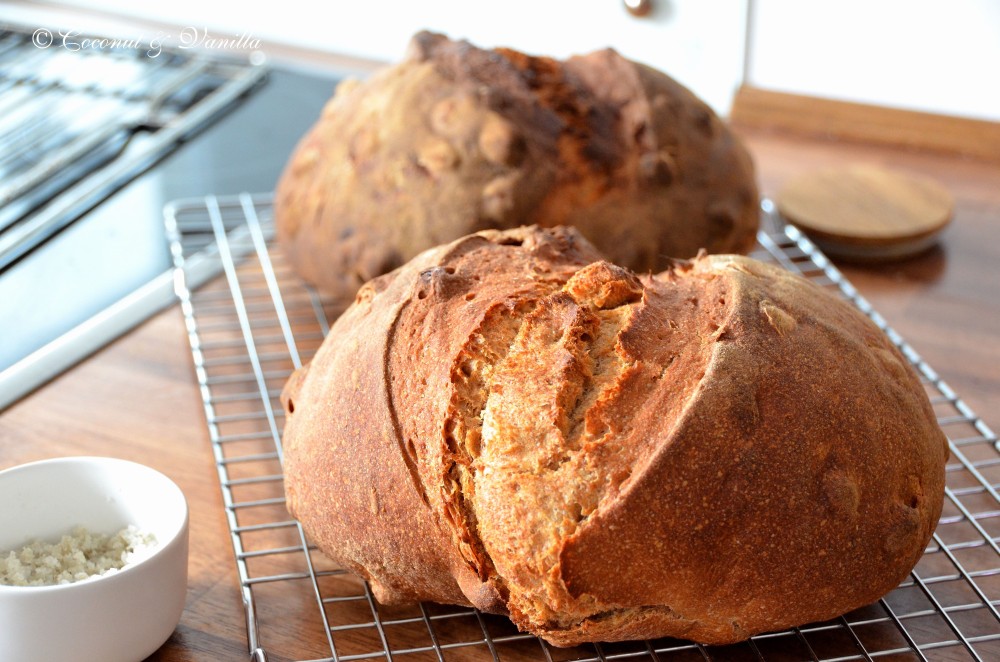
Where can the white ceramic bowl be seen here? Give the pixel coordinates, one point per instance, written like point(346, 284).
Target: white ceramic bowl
point(121, 617)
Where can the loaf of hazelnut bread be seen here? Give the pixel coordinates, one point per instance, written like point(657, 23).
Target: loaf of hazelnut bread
point(512, 422)
point(457, 139)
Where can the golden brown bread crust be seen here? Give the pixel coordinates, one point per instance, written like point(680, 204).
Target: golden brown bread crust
point(456, 139)
point(513, 423)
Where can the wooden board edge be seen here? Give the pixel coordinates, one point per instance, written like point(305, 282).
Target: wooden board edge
point(756, 108)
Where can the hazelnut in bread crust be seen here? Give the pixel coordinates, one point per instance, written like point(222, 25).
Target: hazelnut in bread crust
point(512, 422)
point(457, 139)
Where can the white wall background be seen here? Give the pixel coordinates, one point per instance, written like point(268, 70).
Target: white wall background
point(935, 56)
point(941, 57)
point(698, 43)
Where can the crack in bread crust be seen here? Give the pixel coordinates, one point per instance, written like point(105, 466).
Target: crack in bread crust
point(471, 376)
point(438, 382)
point(558, 441)
point(607, 366)
point(532, 436)
point(407, 445)
point(542, 422)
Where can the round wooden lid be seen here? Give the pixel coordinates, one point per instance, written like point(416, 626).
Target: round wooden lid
point(866, 212)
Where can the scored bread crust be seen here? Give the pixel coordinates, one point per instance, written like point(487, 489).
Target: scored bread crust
point(513, 423)
point(456, 139)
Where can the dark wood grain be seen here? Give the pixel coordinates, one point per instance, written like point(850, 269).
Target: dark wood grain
point(138, 399)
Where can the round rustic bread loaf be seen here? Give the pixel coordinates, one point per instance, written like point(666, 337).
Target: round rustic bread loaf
point(511, 422)
point(456, 139)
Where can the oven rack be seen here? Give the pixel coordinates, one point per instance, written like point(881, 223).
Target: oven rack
point(79, 121)
point(248, 330)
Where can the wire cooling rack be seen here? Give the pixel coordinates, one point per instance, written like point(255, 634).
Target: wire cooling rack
point(250, 328)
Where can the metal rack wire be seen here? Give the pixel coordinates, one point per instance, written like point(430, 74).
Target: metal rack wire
point(249, 329)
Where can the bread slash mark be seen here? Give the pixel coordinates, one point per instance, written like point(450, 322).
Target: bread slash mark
point(782, 322)
point(471, 376)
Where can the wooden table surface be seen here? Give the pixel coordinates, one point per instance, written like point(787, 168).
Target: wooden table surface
point(137, 399)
